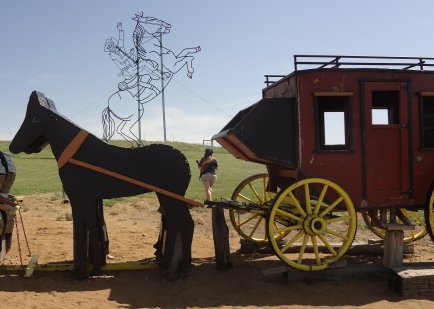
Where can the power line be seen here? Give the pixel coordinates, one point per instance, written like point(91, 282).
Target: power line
point(209, 103)
point(189, 90)
point(93, 103)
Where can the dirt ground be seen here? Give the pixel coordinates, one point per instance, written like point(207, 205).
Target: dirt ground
point(133, 227)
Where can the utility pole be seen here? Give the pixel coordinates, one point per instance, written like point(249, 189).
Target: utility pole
point(139, 105)
point(162, 87)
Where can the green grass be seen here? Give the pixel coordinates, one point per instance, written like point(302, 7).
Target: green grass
point(37, 173)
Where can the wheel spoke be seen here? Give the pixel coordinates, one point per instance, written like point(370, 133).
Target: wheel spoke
point(328, 246)
point(415, 217)
point(255, 227)
point(288, 228)
point(344, 237)
point(307, 198)
point(302, 249)
point(264, 189)
point(252, 190)
point(331, 207)
point(297, 204)
point(315, 250)
point(248, 219)
point(338, 219)
point(247, 199)
point(255, 193)
point(292, 241)
point(285, 214)
point(320, 199)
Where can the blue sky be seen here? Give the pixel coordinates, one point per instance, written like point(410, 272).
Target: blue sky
point(57, 47)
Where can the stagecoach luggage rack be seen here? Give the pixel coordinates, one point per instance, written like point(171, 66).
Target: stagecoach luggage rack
point(345, 61)
point(333, 62)
point(262, 133)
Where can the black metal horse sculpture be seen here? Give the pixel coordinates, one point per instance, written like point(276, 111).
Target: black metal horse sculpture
point(92, 170)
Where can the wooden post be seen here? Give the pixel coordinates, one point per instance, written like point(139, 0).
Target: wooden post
point(173, 271)
point(220, 233)
point(2, 248)
point(393, 248)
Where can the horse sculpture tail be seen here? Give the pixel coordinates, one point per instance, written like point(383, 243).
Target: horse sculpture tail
point(176, 218)
point(108, 124)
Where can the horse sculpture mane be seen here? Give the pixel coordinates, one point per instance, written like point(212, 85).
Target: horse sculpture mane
point(160, 166)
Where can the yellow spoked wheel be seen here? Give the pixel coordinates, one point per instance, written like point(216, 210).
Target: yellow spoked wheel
point(415, 217)
point(429, 211)
point(249, 225)
point(320, 222)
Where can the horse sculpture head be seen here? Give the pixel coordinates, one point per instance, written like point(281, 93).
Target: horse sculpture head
point(30, 137)
point(161, 26)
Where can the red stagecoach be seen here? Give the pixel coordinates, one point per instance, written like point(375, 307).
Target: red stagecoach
point(340, 135)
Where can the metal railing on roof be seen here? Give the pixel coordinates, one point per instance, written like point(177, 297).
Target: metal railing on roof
point(336, 62)
point(340, 61)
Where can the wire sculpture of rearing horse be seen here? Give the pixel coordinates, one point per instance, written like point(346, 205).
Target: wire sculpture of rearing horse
point(92, 170)
point(144, 75)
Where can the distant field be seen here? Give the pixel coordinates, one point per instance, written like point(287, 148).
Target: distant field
point(37, 173)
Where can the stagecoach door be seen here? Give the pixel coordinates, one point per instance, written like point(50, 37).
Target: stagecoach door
point(386, 143)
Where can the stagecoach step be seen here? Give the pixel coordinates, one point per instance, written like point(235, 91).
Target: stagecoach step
point(398, 227)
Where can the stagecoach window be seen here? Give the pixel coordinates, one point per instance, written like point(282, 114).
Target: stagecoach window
point(385, 107)
point(427, 120)
point(333, 123)
point(334, 128)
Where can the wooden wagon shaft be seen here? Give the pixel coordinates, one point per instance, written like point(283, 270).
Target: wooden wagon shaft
point(74, 145)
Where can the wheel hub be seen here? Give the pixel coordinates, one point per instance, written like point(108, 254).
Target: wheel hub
point(314, 225)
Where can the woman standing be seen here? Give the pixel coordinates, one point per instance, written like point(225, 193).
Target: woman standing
point(208, 166)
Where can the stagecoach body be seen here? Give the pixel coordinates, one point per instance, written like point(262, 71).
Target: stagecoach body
point(338, 135)
point(370, 129)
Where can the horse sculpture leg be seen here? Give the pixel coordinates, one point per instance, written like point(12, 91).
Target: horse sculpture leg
point(103, 241)
point(187, 60)
point(89, 236)
point(178, 220)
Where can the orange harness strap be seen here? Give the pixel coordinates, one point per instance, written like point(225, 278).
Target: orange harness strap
point(72, 148)
point(135, 182)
